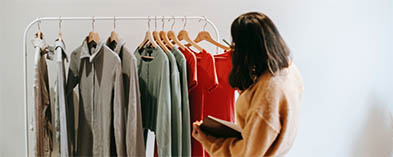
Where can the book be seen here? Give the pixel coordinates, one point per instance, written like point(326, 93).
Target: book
point(220, 128)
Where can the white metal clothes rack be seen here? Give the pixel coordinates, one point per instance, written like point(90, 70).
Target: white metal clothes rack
point(60, 19)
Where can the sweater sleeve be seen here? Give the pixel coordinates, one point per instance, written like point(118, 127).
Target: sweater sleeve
point(258, 136)
point(163, 120)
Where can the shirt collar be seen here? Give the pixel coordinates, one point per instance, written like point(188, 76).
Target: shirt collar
point(85, 50)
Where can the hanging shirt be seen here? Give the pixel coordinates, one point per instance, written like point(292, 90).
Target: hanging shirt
point(98, 74)
point(61, 120)
point(268, 113)
point(134, 132)
point(154, 84)
point(42, 108)
point(186, 127)
point(220, 102)
point(176, 116)
point(207, 82)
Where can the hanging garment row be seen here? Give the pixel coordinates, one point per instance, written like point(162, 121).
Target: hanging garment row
point(112, 96)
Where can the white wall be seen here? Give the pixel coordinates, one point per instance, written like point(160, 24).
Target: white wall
point(1, 71)
point(342, 47)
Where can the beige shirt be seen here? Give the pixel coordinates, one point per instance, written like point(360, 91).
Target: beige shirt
point(134, 131)
point(42, 108)
point(268, 114)
point(98, 74)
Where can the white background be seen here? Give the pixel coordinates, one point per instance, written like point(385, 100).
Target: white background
point(343, 48)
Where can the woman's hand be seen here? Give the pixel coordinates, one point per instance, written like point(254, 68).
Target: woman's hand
point(197, 133)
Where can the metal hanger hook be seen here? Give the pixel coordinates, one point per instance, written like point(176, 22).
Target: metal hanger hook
point(155, 23)
point(204, 26)
point(93, 23)
point(185, 22)
point(39, 24)
point(163, 22)
point(173, 24)
point(60, 21)
point(148, 23)
point(114, 23)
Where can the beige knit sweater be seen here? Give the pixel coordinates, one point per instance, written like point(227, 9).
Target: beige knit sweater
point(268, 114)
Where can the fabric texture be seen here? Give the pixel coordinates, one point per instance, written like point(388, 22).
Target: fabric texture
point(268, 114)
point(134, 132)
point(176, 113)
point(154, 84)
point(42, 107)
point(98, 75)
point(185, 110)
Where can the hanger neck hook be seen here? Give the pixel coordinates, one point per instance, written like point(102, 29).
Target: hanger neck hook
point(39, 24)
point(114, 23)
point(155, 23)
point(204, 26)
point(60, 21)
point(163, 22)
point(185, 22)
point(173, 24)
point(148, 23)
point(93, 23)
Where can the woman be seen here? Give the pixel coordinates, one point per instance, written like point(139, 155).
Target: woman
point(270, 87)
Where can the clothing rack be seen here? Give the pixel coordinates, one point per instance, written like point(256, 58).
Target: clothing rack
point(60, 19)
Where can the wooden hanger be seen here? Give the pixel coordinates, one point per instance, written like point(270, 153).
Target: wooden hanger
point(183, 35)
point(114, 36)
point(164, 36)
point(158, 39)
point(204, 35)
point(93, 36)
point(148, 37)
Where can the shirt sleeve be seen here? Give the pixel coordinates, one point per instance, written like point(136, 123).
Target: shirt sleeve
point(261, 126)
point(119, 112)
point(257, 135)
point(163, 119)
point(192, 71)
point(209, 65)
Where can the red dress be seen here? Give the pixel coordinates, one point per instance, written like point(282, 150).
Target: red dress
point(220, 103)
point(207, 82)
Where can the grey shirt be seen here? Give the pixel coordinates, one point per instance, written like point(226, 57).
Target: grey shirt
point(176, 116)
point(134, 132)
point(99, 77)
point(61, 121)
point(185, 106)
point(155, 91)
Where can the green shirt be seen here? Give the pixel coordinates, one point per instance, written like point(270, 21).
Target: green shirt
point(185, 110)
point(176, 116)
point(154, 85)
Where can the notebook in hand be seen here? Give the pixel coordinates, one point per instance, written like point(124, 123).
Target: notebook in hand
point(220, 128)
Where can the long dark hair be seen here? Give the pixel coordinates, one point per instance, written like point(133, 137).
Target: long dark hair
point(257, 47)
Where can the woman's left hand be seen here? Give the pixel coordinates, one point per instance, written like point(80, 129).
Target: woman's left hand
point(197, 133)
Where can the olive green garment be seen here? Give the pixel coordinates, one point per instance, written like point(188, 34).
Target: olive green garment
point(155, 91)
point(176, 105)
point(99, 77)
point(185, 110)
point(134, 132)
